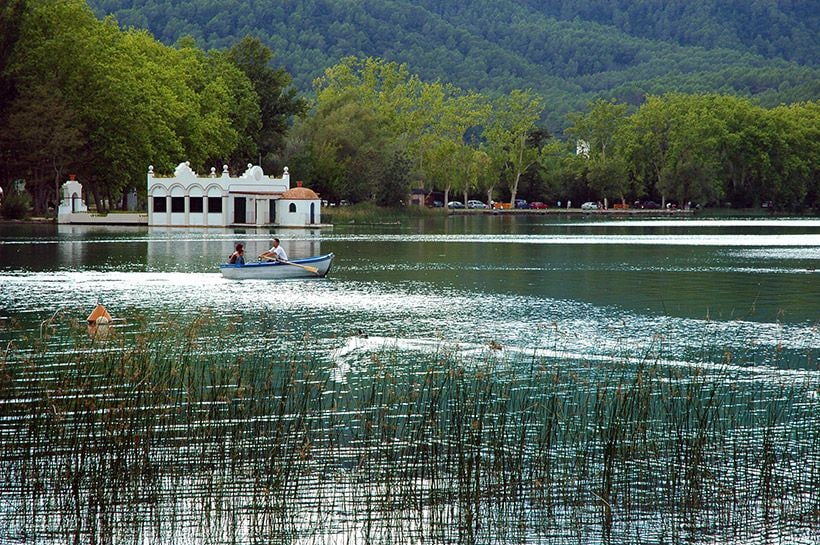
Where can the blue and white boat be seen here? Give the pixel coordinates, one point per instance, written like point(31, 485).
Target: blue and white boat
point(309, 267)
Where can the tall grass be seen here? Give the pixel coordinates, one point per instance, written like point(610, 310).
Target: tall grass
point(371, 214)
point(164, 434)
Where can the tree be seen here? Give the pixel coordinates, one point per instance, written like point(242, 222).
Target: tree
point(278, 100)
point(349, 146)
point(646, 142)
point(441, 167)
point(794, 178)
point(514, 116)
point(45, 151)
point(11, 12)
point(450, 118)
point(395, 185)
point(394, 110)
point(598, 130)
point(481, 174)
point(130, 101)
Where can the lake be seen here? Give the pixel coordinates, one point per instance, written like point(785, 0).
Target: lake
point(673, 361)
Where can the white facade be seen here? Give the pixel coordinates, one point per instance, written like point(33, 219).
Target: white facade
point(253, 199)
point(71, 201)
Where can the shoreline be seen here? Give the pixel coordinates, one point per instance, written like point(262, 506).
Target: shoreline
point(397, 214)
point(574, 211)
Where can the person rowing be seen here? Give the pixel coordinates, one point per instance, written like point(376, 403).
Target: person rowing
point(276, 252)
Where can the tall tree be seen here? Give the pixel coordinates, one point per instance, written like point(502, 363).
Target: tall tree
point(646, 142)
point(514, 117)
point(348, 145)
point(278, 99)
point(45, 151)
point(132, 101)
point(597, 135)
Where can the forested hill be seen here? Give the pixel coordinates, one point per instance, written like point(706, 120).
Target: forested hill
point(569, 51)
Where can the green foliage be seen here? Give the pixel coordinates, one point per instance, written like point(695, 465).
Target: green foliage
point(15, 206)
point(705, 148)
point(277, 99)
point(514, 118)
point(597, 133)
point(395, 184)
point(118, 101)
point(567, 52)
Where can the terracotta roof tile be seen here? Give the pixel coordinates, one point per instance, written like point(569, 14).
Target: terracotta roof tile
point(300, 194)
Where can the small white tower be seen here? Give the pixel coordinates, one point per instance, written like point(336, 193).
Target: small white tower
point(71, 201)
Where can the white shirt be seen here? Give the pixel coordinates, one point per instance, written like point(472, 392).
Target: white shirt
point(280, 253)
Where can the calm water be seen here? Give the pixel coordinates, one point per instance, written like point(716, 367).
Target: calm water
point(728, 304)
point(749, 285)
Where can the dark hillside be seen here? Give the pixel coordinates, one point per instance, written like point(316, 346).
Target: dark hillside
point(569, 51)
point(771, 29)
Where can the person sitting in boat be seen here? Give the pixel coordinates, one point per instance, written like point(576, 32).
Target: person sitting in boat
point(276, 252)
point(238, 257)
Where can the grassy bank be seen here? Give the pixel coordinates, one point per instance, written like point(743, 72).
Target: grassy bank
point(163, 435)
point(371, 214)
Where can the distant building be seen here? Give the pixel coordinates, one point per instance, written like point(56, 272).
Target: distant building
point(71, 201)
point(582, 148)
point(418, 196)
point(252, 199)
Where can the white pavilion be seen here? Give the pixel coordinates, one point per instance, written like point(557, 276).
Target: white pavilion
point(252, 199)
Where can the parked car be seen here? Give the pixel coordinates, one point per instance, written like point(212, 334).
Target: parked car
point(538, 205)
point(455, 204)
point(438, 204)
point(589, 205)
point(521, 204)
point(476, 204)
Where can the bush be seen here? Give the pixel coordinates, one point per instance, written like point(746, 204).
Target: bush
point(15, 206)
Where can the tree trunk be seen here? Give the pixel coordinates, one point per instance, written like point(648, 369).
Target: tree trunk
point(514, 190)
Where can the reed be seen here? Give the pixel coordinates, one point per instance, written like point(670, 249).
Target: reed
point(162, 432)
point(371, 214)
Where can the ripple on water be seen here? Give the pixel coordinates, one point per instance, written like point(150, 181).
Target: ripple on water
point(413, 314)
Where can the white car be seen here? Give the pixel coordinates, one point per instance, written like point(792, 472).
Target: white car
point(476, 204)
point(589, 206)
point(455, 204)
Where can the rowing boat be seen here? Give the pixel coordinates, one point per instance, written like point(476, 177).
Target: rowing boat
point(309, 267)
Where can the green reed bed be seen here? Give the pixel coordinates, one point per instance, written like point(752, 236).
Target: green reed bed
point(163, 433)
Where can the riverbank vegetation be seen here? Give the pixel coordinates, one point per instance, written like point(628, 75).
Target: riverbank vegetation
point(372, 214)
point(117, 101)
point(153, 430)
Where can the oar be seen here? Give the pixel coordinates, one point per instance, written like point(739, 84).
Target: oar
point(308, 268)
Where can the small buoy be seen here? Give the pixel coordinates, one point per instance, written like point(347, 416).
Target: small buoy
point(100, 312)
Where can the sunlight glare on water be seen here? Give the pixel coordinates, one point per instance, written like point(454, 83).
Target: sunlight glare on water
point(587, 286)
point(379, 376)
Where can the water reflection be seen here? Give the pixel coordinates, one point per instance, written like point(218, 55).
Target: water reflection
point(479, 379)
point(461, 287)
point(155, 441)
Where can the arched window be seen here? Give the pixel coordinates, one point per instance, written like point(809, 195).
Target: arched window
point(292, 207)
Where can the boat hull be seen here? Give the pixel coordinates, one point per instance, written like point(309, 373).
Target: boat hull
point(274, 270)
